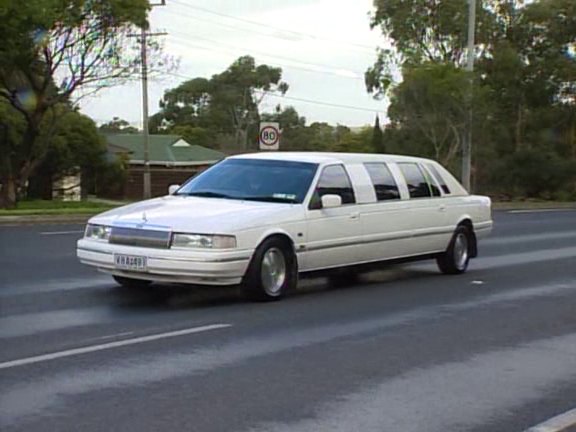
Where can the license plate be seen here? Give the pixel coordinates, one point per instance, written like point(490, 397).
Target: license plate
point(130, 262)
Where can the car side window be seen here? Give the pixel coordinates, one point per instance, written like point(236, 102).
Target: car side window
point(431, 182)
point(439, 178)
point(383, 181)
point(417, 184)
point(334, 180)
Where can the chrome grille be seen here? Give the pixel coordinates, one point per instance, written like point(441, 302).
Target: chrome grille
point(140, 237)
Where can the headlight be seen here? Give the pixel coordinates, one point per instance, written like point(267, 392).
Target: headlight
point(201, 241)
point(97, 232)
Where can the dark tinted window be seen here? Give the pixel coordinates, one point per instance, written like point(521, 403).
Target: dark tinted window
point(383, 181)
point(253, 179)
point(417, 184)
point(440, 179)
point(432, 183)
point(334, 181)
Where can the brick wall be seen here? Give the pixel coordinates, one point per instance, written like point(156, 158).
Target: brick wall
point(161, 179)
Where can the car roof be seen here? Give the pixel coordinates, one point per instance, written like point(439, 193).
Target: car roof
point(321, 158)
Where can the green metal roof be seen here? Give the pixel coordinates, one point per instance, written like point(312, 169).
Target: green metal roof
point(162, 149)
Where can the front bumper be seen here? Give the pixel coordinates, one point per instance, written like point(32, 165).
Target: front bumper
point(166, 265)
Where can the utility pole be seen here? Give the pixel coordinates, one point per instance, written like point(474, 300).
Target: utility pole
point(467, 142)
point(145, 127)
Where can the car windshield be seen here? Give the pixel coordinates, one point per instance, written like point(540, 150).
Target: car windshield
point(255, 180)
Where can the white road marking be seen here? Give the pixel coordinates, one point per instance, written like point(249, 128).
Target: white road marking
point(48, 233)
point(541, 210)
point(556, 424)
point(110, 345)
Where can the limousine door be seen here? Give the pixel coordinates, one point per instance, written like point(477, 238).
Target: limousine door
point(426, 211)
point(333, 234)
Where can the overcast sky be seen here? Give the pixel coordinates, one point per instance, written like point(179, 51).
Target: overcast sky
point(323, 47)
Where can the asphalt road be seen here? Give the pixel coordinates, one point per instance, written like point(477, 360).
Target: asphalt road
point(407, 349)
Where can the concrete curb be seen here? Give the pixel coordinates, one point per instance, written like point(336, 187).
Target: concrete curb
point(44, 219)
point(563, 422)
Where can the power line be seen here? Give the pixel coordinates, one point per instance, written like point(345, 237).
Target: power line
point(256, 23)
point(263, 53)
point(328, 104)
point(326, 70)
point(309, 101)
point(251, 30)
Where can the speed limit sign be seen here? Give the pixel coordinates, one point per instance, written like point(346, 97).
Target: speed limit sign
point(269, 136)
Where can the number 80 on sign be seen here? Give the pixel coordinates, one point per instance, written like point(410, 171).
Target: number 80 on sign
point(269, 136)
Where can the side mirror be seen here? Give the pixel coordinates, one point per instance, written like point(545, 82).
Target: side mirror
point(172, 189)
point(331, 201)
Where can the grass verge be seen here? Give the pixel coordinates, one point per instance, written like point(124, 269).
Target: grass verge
point(41, 208)
point(532, 205)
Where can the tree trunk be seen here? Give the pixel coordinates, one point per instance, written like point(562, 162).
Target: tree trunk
point(8, 193)
point(518, 129)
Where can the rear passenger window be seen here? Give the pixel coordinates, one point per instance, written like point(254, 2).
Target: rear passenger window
point(383, 181)
point(417, 184)
point(432, 183)
point(439, 178)
point(334, 181)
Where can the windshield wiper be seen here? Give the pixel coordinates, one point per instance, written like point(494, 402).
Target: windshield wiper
point(267, 198)
point(207, 194)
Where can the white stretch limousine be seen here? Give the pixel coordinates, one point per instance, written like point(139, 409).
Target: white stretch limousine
point(261, 219)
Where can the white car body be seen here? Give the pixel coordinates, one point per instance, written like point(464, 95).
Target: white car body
point(364, 232)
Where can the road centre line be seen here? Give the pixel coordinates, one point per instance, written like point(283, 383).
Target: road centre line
point(110, 345)
point(556, 424)
point(49, 233)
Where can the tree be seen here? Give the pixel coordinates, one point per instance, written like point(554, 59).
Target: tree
point(525, 81)
point(117, 126)
point(76, 147)
point(51, 51)
point(227, 103)
point(378, 137)
point(432, 101)
point(356, 141)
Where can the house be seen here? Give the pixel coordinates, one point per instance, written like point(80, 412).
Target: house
point(172, 161)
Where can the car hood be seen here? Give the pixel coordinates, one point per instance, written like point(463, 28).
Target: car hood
point(200, 215)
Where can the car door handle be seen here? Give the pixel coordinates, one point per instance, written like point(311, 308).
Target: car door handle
point(355, 215)
point(442, 208)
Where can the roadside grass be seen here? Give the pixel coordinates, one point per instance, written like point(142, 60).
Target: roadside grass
point(55, 207)
point(94, 206)
point(532, 205)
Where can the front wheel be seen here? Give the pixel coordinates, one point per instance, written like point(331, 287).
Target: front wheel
point(457, 257)
point(131, 283)
point(272, 271)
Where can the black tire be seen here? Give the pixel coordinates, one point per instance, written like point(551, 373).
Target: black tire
point(131, 283)
point(254, 287)
point(457, 257)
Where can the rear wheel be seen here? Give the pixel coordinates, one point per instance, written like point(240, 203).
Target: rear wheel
point(131, 283)
point(457, 257)
point(272, 271)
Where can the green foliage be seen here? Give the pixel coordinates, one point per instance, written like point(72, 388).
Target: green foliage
point(356, 142)
point(227, 103)
point(524, 99)
point(117, 126)
point(111, 180)
point(51, 50)
point(378, 143)
point(196, 135)
point(534, 173)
